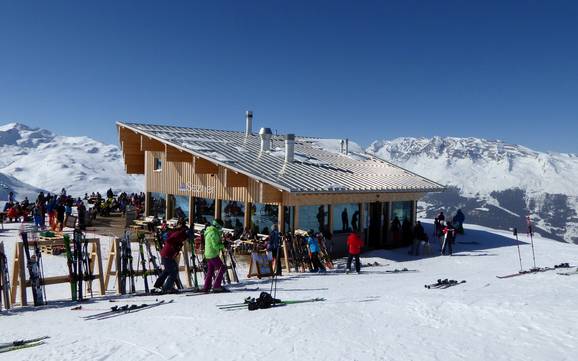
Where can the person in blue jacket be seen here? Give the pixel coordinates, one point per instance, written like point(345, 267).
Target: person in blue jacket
point(314, 252)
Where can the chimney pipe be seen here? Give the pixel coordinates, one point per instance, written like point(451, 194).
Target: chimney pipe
point(346, 146)
point(341, 149)
point(289, 148)
point(265, 134)
point(248, 123)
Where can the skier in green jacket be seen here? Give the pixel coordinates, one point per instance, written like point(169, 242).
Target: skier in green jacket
point(213, 247)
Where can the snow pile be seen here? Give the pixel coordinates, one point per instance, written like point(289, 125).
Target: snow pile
point(372, 316)
point(80, 164)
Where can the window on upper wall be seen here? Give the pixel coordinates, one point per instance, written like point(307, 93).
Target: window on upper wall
point(158, 165)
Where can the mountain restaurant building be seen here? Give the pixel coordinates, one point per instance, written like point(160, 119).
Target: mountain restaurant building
point(257, 180)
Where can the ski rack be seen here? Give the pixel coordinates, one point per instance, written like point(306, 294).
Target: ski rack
point(19, 269)
point(114, 260)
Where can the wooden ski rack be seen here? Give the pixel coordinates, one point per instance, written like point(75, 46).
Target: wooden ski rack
point(19, 269)
point(114, 262)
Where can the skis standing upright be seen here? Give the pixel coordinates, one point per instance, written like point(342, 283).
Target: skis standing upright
point(70, 263)
point(194, 269)
point(79, 261)
point(130, 263)
point(33, 270)
point(38, 254)
point(531, 234)
point(4, 279)
point(141, 240)
point(518, 244)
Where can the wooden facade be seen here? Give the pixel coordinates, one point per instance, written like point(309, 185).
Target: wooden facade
point(176, 172)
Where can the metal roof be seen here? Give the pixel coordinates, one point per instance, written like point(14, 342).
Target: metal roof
point(314, 170)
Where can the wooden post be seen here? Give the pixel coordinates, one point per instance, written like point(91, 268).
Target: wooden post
point(218, 205)
point(248, 215)
point(168, 207)
point(112, 257)
point(191, 211)
point(147, 204)
point(330, 219)
point(15, 274)
point(187, 265)
point(98, 255)
point(296, 218)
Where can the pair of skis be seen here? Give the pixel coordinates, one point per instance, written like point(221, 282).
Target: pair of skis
point(443, 284)
point(248, 301)
point(539, 270)
point(34, 265)
point(22, 344)
point(4, 279)
point(116, 311)
point(401, 270)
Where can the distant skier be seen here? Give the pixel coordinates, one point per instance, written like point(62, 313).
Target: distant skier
point(171, 248)
point(313, 244)
point(439, 224)
point(354, 245)
point(60, 213)
point(419, 236)
point(11, 197)
point(449, 237)
point(458, 221)
point(213, 246)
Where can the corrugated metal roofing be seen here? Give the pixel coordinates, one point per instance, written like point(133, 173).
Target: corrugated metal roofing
point(314, 170)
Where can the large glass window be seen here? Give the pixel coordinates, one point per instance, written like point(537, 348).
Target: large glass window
point(204, 210)
point(313, 217)
point(233, 215)
point(346, 217)
point(180, 207)
point(263, 216)
point(158, 205)
point(289, 219)
point(402, 210)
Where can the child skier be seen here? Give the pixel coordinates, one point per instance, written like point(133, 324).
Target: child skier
point(314, 253)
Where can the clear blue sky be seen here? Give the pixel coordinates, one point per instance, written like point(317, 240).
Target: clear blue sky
point(360, 69)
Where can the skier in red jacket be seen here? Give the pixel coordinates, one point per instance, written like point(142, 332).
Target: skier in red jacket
point(354, 245)
point(171, 249)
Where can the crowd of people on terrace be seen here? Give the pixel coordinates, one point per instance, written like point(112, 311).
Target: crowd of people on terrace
point(54, 208)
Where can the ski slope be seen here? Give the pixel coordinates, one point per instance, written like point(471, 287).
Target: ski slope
point(372, 316)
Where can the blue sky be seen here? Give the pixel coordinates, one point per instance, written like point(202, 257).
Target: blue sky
point(359, 69)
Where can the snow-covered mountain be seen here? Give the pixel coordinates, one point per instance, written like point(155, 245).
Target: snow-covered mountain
point(496, 183)
point(42, 159)
point(10, 184)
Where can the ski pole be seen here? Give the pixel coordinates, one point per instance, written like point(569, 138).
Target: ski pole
point(518, 244)
point(531, 233)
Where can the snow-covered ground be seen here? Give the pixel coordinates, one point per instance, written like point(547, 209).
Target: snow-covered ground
point(372, 316)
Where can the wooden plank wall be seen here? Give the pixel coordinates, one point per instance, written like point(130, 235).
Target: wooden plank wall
point(179, 178)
